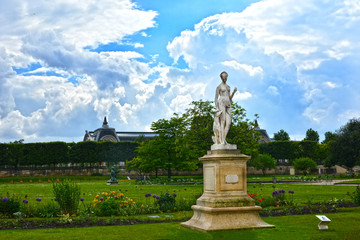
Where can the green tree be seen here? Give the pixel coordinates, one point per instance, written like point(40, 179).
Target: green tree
point(199, 131)
point(308, 149)
point(312, 135)
point(56, 153)
point(304, 164)
point(16, 154)
point(281, 136)
point(329, 136)
point(85, 152)
point(4, 154)
point(281, 150)
point(242, 131)
point(345, 149)
point(263, 162)
point(171, 136)
point(150, 154)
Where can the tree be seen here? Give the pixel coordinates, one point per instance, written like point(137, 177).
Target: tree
point(16, 154)
point(199, 130)
point(308, 149)
point(304, 164)
point(281, 136)
point(149, 157)
point(281, 150)
point(329, 136)
point(312, 135)
point(4, 156)
point(85, 152)
point(174, 152)
point(242, 131)
point(263, 162)
point(345, 149)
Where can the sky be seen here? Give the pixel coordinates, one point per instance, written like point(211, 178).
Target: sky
point(66, 64)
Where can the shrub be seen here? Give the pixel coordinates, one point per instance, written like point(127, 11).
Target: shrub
point(9, 205)
point(355, 196)
point(114, 203)
point(304, 164)
point(110, 207)
point(47, 210)
point(67, 195)
point(166, 202)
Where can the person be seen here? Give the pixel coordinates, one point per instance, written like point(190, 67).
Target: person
point(223, 101)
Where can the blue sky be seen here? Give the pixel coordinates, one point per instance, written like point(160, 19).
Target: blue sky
point(65, 65)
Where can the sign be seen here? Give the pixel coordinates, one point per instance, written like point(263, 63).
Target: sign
point(323, 225)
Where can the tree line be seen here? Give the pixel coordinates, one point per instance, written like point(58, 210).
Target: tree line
point(183, 138)
point(51, 154)
point(341, 147)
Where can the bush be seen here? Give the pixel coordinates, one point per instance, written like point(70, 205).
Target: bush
point(111, 207)
point(9, 205)
point(355, 196)
point(48, 210)
point(304, 164)
point(67, 195)
point(114, 203)
point(166, 202)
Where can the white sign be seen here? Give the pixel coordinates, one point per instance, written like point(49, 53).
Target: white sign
point(232, 178)
point(323, 225)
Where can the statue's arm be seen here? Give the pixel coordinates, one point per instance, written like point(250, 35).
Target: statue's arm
point(232, 95)
point(216, 97)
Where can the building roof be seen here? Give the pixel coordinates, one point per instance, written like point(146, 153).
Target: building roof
point(105, 133)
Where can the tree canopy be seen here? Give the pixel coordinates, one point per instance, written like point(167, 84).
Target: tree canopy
point(345, 149)
point(304, 164)
point(329, 136)
point(185, 137)
point(312, 135)
point(263, 162)
point(281, 136)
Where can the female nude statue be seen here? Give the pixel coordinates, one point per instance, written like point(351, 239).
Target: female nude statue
point(223, 101)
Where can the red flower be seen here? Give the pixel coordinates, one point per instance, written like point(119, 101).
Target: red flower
point(259, 200)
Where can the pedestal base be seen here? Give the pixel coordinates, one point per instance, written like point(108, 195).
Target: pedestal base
point(112, 183)
point(214, 219)
point(225, 203)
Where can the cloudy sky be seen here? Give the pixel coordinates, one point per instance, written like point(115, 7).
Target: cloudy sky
point(66, 64)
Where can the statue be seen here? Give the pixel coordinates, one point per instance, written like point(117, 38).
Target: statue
point(222, 118)
point(112, 180)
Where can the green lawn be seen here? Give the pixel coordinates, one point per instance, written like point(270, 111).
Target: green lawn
point(289, 227)
point(303, 193)
point(349, 182)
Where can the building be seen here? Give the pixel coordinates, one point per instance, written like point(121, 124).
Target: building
point(264, 137)
point(106, 133)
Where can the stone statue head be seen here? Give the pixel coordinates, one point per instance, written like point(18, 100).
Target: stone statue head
point(223, 76)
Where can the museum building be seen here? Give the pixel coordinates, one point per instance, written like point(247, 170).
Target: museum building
point(106, 133)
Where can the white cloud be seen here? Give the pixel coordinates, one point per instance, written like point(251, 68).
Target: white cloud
point(240, 96)
point(251, 70)
point(138, 45)
point(331, 84)
point(272, 90)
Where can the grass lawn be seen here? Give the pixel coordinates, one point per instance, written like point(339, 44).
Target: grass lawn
point(342, 226)
point(89, 190)
point(349, 182)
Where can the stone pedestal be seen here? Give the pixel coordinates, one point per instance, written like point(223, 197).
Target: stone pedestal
point(225, 203)
point(112, 182)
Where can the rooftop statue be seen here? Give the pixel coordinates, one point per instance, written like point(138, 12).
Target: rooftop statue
point(222, 117)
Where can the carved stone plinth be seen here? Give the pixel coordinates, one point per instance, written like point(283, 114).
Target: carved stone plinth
point(225, 203)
